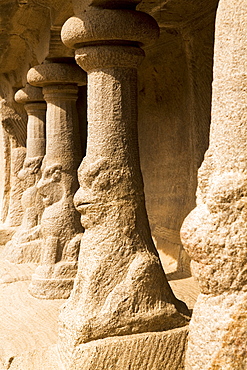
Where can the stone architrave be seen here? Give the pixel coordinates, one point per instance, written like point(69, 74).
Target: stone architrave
point(215, 232)
point(60, 222)
point(25, 246)
point(121, 291)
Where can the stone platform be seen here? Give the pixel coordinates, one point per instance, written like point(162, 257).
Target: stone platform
point(147, 351)
point(28, 326)
point(27, 323)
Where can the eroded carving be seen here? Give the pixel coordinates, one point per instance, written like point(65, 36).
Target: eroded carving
point(121, 288)
point(60, 223)
point(25, 244)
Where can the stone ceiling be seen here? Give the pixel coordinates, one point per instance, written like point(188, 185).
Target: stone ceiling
point(173, 13)
point(25, 25)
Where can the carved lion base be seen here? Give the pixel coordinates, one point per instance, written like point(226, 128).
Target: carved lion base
point(152, 351)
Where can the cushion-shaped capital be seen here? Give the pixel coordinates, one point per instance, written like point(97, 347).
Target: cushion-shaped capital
point(117, 26)
point(56, 73)
point(29, 94)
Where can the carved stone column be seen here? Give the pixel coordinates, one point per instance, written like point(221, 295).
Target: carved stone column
point(215, 233)
point(120, 289)
point(15, 212)
point(35, 107)
point(60, 223)
point(13, 121)
point(25, 244)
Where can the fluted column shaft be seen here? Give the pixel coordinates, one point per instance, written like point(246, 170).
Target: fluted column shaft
point(215, 233)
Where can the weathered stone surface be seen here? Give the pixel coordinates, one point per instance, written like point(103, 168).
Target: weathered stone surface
point(24, 39)
point(120, 288)
point(25, 246)
point(5, 173)
point(13, 135)
point(15, 212)
point(148, 351)
point(214, 234)
point(60, 223)
point(173, 127)
point(218, 329)
point(45, 359)
point(12, 154)
point(113, 310)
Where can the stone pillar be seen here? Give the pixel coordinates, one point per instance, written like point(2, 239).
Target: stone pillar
point(15, 212)
point(35, 107)
point(215, 233)
point(60, 223)
point(13, 122)
point(120, 290)
point(25, 244)
point(5, 177)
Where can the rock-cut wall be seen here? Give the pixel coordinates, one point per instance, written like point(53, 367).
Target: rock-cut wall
point(174, 119)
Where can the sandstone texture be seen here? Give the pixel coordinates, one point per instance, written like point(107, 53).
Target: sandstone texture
point(120, 288)
point(25, 245)
point(108, 108)
point(60, 222)
point(214, 234)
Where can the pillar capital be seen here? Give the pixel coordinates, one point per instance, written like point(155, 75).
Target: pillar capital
point(56, 73)
point(108, 37)
point(115, 26)
point(29, 94)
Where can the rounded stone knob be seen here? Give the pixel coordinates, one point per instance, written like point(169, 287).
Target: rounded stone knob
point(118, 26)
point(29, 94)
point(56, 73)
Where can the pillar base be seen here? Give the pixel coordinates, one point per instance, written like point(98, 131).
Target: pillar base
point(51, 288)
point(147, 351)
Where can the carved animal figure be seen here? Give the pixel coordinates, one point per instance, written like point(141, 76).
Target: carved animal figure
point(25, 244)
point(61, 234)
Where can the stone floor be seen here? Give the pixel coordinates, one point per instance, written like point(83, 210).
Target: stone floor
point(28, 323)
